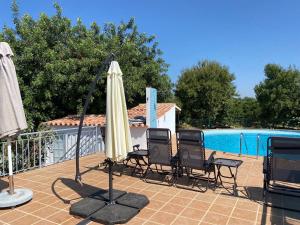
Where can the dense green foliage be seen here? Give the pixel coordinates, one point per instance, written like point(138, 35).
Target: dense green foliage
point(56, 62)
point(243, 112)
point(205, 92)
point(279, 97)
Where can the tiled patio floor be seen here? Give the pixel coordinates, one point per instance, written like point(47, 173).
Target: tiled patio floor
point(54, 189)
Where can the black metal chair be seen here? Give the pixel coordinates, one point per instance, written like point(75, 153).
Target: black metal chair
point(133, 157)
point(159, 145)
point(282, 168)
point(191, 156)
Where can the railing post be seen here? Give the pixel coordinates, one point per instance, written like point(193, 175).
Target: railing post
point(241, 143)
point(96, 138)
point(3, 159)
point(16, 156)
point(40, 150)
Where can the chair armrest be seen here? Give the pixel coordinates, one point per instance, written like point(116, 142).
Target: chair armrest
point(211, 158)
point(136, 147)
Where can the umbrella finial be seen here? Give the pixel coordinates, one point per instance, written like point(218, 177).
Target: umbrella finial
point(113, 56)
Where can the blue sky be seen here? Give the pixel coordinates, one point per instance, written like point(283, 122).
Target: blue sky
point(244, 35)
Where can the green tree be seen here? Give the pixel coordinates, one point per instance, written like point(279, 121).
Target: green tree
point(205, 91)
point(56, 61)
point(279, 96)
point(243, 112)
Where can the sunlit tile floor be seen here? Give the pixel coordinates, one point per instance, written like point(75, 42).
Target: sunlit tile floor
point(54, 190)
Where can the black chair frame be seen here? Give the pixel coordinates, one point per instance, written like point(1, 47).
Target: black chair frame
point(189, 164)
point(166, 159)
point(130, 157)
point(269, 175)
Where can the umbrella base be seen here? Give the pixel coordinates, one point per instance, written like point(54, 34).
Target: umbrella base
point(97, 207)
point(19, 197)
point(114, 214)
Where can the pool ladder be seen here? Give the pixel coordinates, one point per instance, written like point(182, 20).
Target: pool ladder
point(242, 139)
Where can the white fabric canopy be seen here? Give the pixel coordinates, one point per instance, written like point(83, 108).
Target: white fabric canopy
point(12, 117)
point(117, 135)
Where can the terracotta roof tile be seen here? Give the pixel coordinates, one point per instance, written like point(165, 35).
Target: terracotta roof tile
point(99, 120)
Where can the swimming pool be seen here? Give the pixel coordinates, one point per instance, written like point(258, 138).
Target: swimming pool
point(250, 141)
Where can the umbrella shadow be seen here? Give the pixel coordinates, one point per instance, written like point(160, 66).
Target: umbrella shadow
point(119, 169)
point(83, 190)
point(3, 185)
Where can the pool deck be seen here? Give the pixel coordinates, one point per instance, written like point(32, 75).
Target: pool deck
point(54, 190)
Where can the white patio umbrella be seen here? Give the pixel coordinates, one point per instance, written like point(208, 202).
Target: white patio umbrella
point(117, 144)
point(117, 135)
point(12, 118)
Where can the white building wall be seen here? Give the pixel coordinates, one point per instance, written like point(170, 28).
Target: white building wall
point(138, 135)
point(168, 120)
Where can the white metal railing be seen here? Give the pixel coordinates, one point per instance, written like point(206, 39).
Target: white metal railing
point(259, 144)
point(242, 139)
point(39, 149)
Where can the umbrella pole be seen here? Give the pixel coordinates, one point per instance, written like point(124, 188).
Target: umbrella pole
point(86, 104)
point(110, 190)
point(10, 168)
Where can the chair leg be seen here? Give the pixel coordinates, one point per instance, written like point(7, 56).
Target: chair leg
point(156, 168)
point(146, 173)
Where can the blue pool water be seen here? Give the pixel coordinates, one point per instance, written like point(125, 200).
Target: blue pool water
point(251, 140)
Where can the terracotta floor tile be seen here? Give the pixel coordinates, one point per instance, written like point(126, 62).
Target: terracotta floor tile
point(199, 205)
point(225, 201)
point(185, 221)
point(193, 213)
point(26, 220)
point(162, 197)
point(60, 205)
point(149, 194)
point(151, 223)
point(246, 204)
point(171, 191)
point(180, 201)
point(235, 221)
point(11, 216)
point(215, 218)
point(172, 208)
point(146, 213)
point(162, 218)
point(187, 194)
point(45, 212)
point(206, 198)
point(156, 205)
point(49, 200)
point(72, 221)
point(136, 221)
point(168, 204)
point(59, 217)
point(3, 211)
point(221, 209)
point(44, 222)
point(244, 214)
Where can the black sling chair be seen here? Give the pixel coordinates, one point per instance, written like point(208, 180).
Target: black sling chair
point(134, 159)
point(191, 156)
point(159, 145)
point(282, 170)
